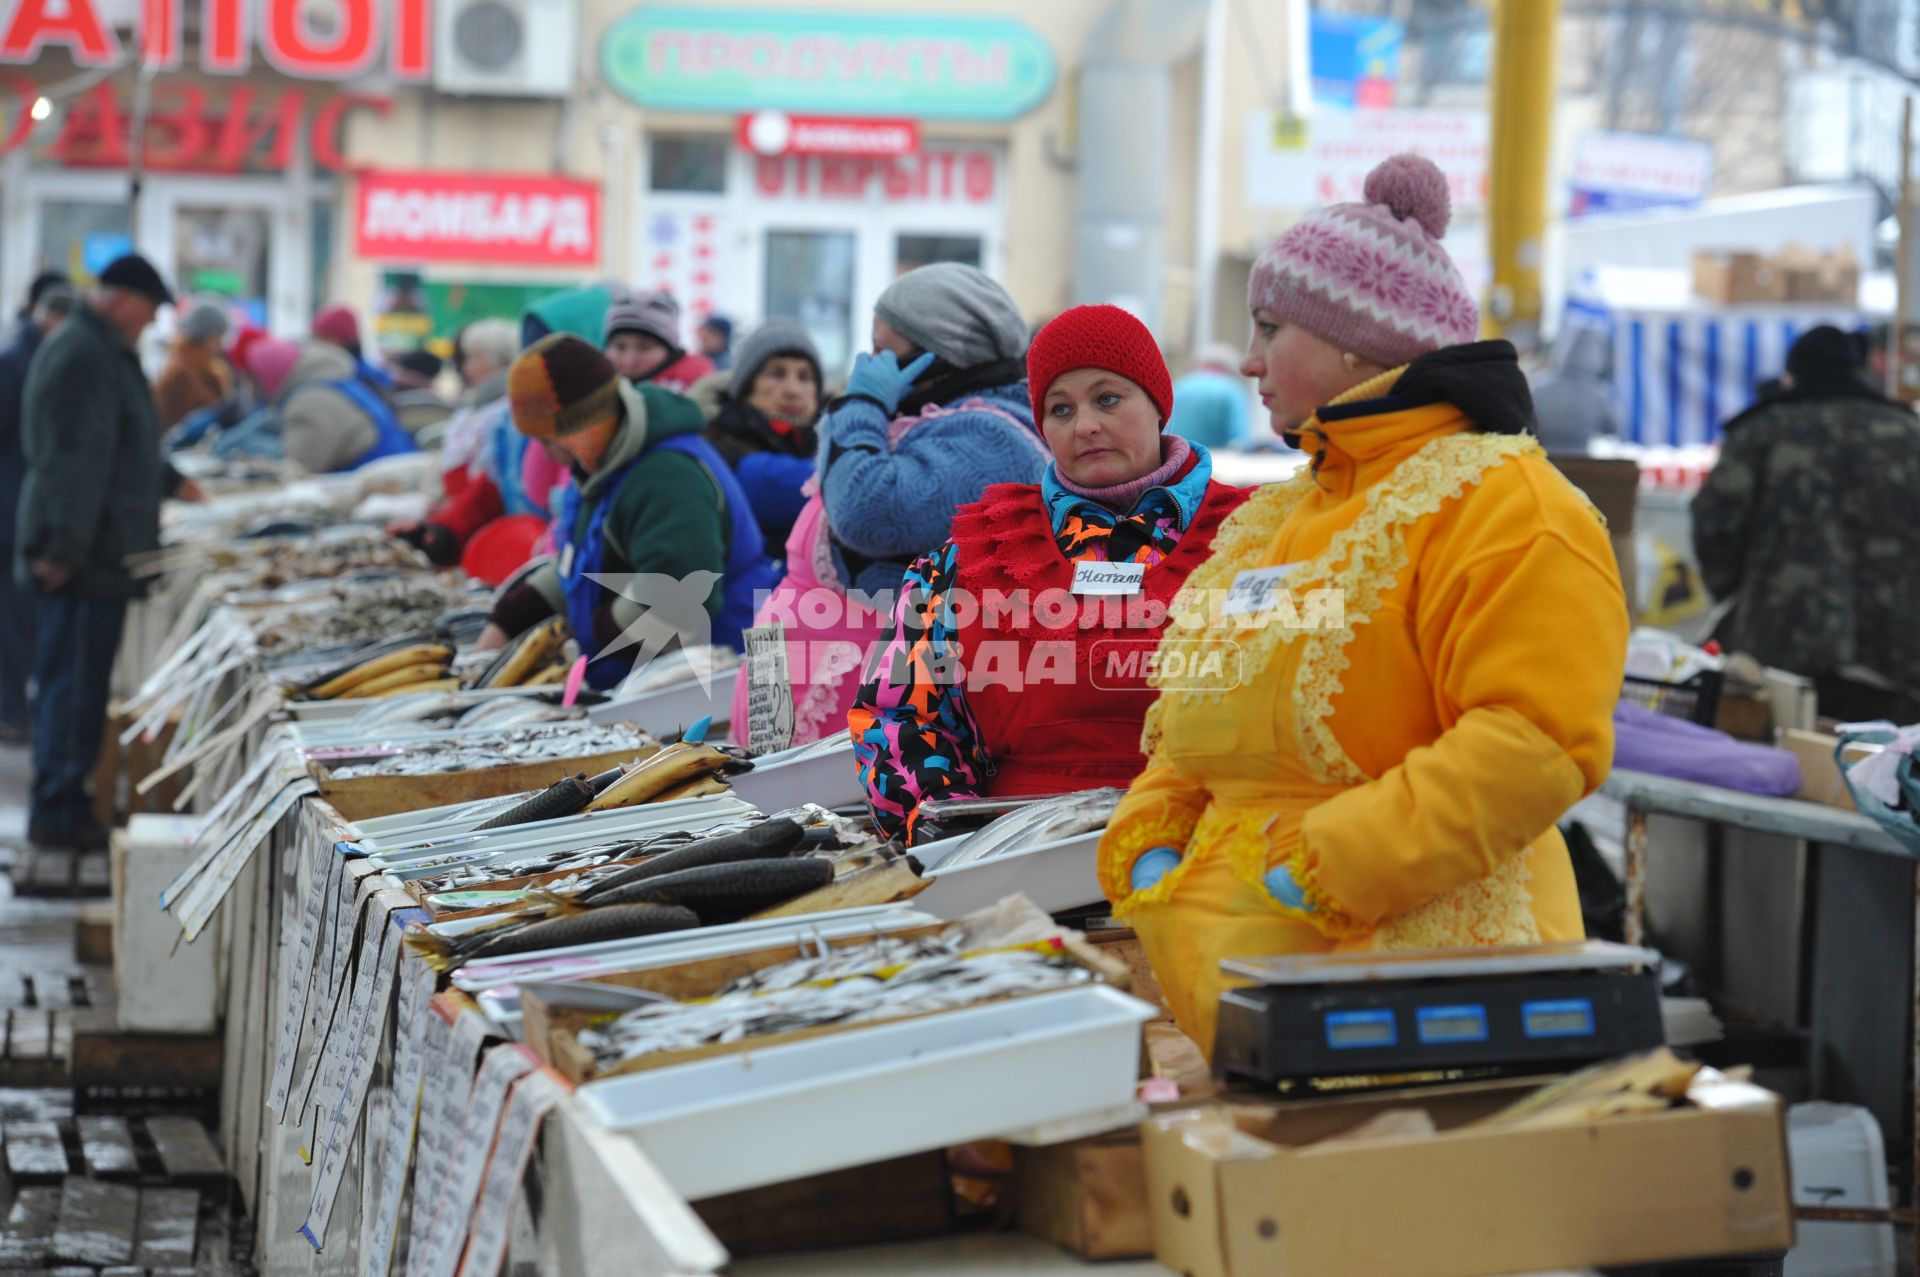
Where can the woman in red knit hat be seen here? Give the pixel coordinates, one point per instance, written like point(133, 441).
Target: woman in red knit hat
point(1020, 648)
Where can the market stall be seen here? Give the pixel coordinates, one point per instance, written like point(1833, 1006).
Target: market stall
point(506, 971)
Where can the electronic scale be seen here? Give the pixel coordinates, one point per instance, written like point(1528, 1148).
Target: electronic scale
point(1493, 1010)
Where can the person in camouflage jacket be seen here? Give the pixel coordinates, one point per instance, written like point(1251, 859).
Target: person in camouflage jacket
point(1806, 525)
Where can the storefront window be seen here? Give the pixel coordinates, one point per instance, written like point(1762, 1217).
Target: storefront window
point(810, 278)
point(81, 238)
point(913, 251)
point(681, 164)
point(322, 253)
point(224, 251)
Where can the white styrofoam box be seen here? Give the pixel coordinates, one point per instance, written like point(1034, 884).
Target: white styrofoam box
point(1838, 1160)
point(740, 1121)
point(162, 985)
point(827, 776)
point(1057, 876)
point(670, 710)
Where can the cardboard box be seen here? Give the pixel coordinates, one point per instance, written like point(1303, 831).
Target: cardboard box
point(1820, 778)
point(1464, 1202)
point(1813, 276)
point(552, 1028)
point(1739, 279)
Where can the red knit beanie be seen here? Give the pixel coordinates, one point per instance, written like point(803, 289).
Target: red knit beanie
point(1098, 337)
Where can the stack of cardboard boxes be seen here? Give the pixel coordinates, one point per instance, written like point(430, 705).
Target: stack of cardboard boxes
point(1795, 274)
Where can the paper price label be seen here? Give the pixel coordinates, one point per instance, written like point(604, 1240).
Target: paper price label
point(533, 1098)
point(323, 885)
point(769, 689)
point(442, 1107)
point(414, 1037)
point(447, 1235)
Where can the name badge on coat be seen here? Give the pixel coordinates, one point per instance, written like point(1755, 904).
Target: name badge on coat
point(1253, 591)
point(1091, 577)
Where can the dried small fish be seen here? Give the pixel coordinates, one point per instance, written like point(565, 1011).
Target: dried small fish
point(532, 743)
point(1035, 823)
point(856, 984)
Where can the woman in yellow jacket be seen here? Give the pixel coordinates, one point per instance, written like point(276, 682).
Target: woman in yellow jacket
point(1398, 669)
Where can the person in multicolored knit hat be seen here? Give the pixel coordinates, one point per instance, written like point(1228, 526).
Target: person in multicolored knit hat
point(1120, 518)
point(1425, 628)
point(658, 544)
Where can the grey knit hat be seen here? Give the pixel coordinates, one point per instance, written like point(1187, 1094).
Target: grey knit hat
point(773, 338)
point(655, 314)
point(207, 321)
point(958, 312)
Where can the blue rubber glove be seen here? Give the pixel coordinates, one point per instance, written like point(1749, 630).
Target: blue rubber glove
point(1282, 887)
point(1154, 864)
point(881, 378)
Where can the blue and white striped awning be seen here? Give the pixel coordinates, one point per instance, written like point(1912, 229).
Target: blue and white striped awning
point(1678, 376)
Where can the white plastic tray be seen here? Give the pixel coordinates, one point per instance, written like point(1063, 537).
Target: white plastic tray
point(1057, 876)
point(670, 710)
point(865, 1095)
point(827, 776)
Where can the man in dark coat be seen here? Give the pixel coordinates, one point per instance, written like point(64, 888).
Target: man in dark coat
point(48, 303)
point(1806, 523)
point(95, 480)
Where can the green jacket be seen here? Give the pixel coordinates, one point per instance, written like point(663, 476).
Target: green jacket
point(1807, 523)
point(95, 473)
point(668, 516)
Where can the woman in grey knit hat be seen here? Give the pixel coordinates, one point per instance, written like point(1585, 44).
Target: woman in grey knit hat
point(764, 424)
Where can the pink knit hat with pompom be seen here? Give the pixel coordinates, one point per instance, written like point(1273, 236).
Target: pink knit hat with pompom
point(1371, 278)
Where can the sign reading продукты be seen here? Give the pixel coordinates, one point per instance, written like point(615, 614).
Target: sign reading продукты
point(949, 67)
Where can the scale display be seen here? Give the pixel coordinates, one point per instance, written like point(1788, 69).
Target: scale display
point(1440, 1012)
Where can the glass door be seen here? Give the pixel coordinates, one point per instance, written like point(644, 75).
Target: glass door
point(810, 277)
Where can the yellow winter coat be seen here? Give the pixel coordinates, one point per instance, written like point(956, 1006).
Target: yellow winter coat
point(1405, 742)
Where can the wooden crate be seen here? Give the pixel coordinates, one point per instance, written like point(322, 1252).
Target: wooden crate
point(365, 797)
point(905, 1199)
point(1089, 1196)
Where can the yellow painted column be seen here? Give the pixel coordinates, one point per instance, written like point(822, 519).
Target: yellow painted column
point(1524, 49)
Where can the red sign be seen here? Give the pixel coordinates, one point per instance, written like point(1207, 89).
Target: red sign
point(777, 133)
point(351, 46)
point(189, 130)
point(478, 217)
point(929, 177)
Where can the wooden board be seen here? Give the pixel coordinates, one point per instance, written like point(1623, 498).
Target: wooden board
point(34, 1151)
point(1089, 1196)
point(169, 1225)
point(895, 1201)
point(107, 1145)
point(1126, 947)
point(93, 935)
point(104, 1056)
point(364, 797)
point(27, 1237)
point(185, 1150)
point(97, 1222)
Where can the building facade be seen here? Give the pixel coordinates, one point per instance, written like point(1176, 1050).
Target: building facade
point(432, 160)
